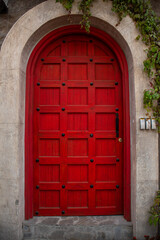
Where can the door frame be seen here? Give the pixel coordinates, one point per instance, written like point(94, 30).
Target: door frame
point(55, 34)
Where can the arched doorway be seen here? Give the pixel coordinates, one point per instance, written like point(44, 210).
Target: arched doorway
point(77, 131)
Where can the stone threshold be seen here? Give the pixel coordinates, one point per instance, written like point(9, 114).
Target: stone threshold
point(78, 228)
point(79, 221)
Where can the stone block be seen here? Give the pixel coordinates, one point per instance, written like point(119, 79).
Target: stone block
point(11, 157)
point(145, 194)
point(11, 91)
point(9, 231)
point(57, 234)
point(80, 236)
point(9, 59)
point(35, 20)
point(147, 164)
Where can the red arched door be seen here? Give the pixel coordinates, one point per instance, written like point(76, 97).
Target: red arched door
point(78, 162)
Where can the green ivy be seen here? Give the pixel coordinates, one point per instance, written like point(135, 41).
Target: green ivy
point(149, 26)
point(155, 210)
point(67, 4)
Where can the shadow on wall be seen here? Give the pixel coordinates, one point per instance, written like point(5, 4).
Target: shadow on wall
point(3, 6)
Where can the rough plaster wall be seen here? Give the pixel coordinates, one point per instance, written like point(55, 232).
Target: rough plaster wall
point(12, 84)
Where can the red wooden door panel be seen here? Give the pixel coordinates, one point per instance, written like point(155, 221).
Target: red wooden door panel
point(77, 98)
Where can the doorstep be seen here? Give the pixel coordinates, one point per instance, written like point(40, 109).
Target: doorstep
point(78, 228)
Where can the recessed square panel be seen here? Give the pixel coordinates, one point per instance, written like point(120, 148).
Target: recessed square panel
point(105, 198)
point(49, 121)
point(77, 121)
point(77, 48)
point(104, 71)
point(77, 96)
point(105, 173)
point(49, 199)
point(77, 173)
point(105, 121)
point(77, 147)
point(50, 96)
point(77, 71)
point(77, 199)
point(51, 72)
point(49, 147)
point(105, 147)
point(105, 96)
point(49, 173)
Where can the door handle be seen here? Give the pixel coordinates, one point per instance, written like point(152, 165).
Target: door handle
point(117, 125)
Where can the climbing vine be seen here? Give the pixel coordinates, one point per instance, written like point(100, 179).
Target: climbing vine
point(149, 26)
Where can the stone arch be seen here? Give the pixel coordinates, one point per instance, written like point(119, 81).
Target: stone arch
point(15, 52)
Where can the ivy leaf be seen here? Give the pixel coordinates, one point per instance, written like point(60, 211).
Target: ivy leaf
point(138, 37)
point(154, 49)
point(137, 16)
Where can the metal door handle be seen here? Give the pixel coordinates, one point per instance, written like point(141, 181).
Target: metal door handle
point(117, 125)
